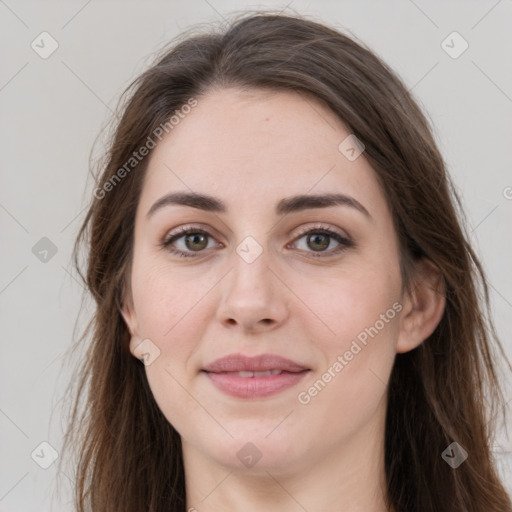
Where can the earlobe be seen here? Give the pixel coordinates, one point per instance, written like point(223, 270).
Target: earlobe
point(129, 317)
point(130, 320)
point(423, 306)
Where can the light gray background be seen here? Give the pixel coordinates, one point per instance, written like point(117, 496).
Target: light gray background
point(52, 110)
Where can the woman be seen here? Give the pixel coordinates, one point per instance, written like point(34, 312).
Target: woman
point(288, 313)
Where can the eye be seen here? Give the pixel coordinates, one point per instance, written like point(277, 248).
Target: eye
point(188, 241)
point(318, 241)
point(322, 242)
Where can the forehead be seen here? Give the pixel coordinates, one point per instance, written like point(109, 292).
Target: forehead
point(254, 147)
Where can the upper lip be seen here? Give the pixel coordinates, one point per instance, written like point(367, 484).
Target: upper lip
point(260, 363)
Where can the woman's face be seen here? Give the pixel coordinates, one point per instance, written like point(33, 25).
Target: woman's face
point(271, 268)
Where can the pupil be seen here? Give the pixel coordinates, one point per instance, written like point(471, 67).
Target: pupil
point(196, 238)
point(319, 240)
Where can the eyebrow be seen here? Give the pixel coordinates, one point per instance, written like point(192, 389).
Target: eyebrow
point(284, 206)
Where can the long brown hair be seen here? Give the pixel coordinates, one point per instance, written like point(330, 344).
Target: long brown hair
point(128, 455)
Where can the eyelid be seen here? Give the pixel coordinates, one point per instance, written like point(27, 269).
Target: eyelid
point(181, 231)
point(343, 239)
point(321, 227)
point(195, 228)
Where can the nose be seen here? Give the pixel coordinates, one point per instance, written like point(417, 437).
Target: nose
point(253, 298)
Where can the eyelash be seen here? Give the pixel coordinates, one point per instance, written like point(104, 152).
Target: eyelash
point(344, 242)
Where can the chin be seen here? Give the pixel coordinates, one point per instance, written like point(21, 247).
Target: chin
point(257, 449)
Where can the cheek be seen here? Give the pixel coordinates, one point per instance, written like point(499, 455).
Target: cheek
point(170, 312)
point(357, 336)
point(348, 390)
point(165, 299)
point(347, 305)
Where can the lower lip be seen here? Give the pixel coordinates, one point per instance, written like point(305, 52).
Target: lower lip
point(254, 387)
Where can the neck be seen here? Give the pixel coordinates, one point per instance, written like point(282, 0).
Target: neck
point(350, 479)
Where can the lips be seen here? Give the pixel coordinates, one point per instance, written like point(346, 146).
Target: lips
point(266, 373)
point(254, 377)
point(255, 364)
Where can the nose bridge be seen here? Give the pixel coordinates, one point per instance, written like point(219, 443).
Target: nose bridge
point(250, 297)
point(251, 260)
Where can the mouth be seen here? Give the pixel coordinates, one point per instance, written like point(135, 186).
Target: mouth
point(254, 377)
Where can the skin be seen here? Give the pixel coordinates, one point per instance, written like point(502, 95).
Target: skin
point(250, 149)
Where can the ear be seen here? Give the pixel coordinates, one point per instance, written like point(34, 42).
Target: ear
point(423, 306)
point(130, 319)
